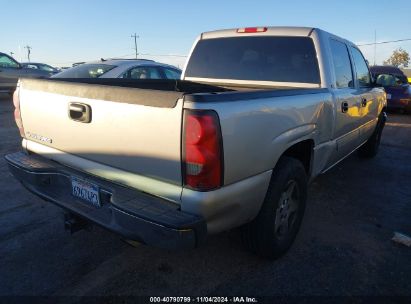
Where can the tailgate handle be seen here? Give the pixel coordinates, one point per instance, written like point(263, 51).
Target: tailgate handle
point(80, 112)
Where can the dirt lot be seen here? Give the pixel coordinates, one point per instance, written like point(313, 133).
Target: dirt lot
point(343, 248)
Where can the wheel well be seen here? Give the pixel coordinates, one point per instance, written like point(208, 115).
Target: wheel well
point(303, 152)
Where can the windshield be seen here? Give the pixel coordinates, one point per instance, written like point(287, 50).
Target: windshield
point(389, 80)
point(277, 59)
point(7, 62)
point(85, 71)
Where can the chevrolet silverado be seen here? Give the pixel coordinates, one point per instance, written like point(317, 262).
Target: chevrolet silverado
point(257, 114)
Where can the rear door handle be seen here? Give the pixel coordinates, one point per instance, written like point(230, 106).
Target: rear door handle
point(344, 107)
point(363, 102)
point(80, 112)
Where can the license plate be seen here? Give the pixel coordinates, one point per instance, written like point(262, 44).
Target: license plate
point(388, 96)
point(86, 191)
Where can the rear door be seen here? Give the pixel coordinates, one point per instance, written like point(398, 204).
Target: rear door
point(367, 95)
point(347, 108)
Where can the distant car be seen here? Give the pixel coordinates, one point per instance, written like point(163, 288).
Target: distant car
point(122, 68)
point(40, 66)
point(11, 71)
point(396, 86)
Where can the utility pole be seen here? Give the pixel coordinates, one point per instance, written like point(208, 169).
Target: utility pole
point(375, 44)
point(28, 51)
point(135, 43)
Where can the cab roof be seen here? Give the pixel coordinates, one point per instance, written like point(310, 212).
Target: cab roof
point(268, 31)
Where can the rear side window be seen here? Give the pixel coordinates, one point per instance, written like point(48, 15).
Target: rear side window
point(46, 67)
point(31, 66)
point(342, 64)
point(142, 73)
point(171, 73)
point(278, 59)
point(363, 74)
point(86, 71)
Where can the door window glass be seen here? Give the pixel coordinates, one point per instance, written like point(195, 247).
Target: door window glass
point(363, 74)
point(142, 73)
point(172, 74)
point(342, 64)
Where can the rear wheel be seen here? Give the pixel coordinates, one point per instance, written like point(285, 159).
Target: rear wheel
point(370, 148)
point(274, 229)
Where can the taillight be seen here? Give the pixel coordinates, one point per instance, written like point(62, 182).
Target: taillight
point(252, 30)
point(202, 150)
point(17, 113)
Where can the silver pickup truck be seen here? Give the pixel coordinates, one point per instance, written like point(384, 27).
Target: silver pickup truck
point(258, 113)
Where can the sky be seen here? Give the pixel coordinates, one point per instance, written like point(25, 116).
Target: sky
point(63, 32)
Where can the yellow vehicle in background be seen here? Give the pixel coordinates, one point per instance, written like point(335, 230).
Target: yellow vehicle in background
point(407, 73)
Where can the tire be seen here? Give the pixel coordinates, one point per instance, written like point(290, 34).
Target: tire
point(274, 229)
point(370, 148)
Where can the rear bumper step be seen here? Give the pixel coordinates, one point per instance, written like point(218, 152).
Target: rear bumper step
point(134, 215)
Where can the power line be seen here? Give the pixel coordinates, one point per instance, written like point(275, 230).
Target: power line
point(164, 55)
point(148, 54)
point(120, 56)
point(384, 42)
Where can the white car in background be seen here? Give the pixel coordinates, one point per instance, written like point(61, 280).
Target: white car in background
point(41, 67)
point(122, 68)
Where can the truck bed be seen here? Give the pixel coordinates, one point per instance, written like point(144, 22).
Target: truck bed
point(193, 91)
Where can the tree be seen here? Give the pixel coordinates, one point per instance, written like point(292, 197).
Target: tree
point(398, 57)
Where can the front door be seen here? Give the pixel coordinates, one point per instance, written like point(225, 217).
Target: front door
point(368, 96)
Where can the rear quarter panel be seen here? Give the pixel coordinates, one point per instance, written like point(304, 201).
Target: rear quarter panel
point(256, 132)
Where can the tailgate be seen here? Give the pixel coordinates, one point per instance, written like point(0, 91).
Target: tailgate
point(134, 130)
